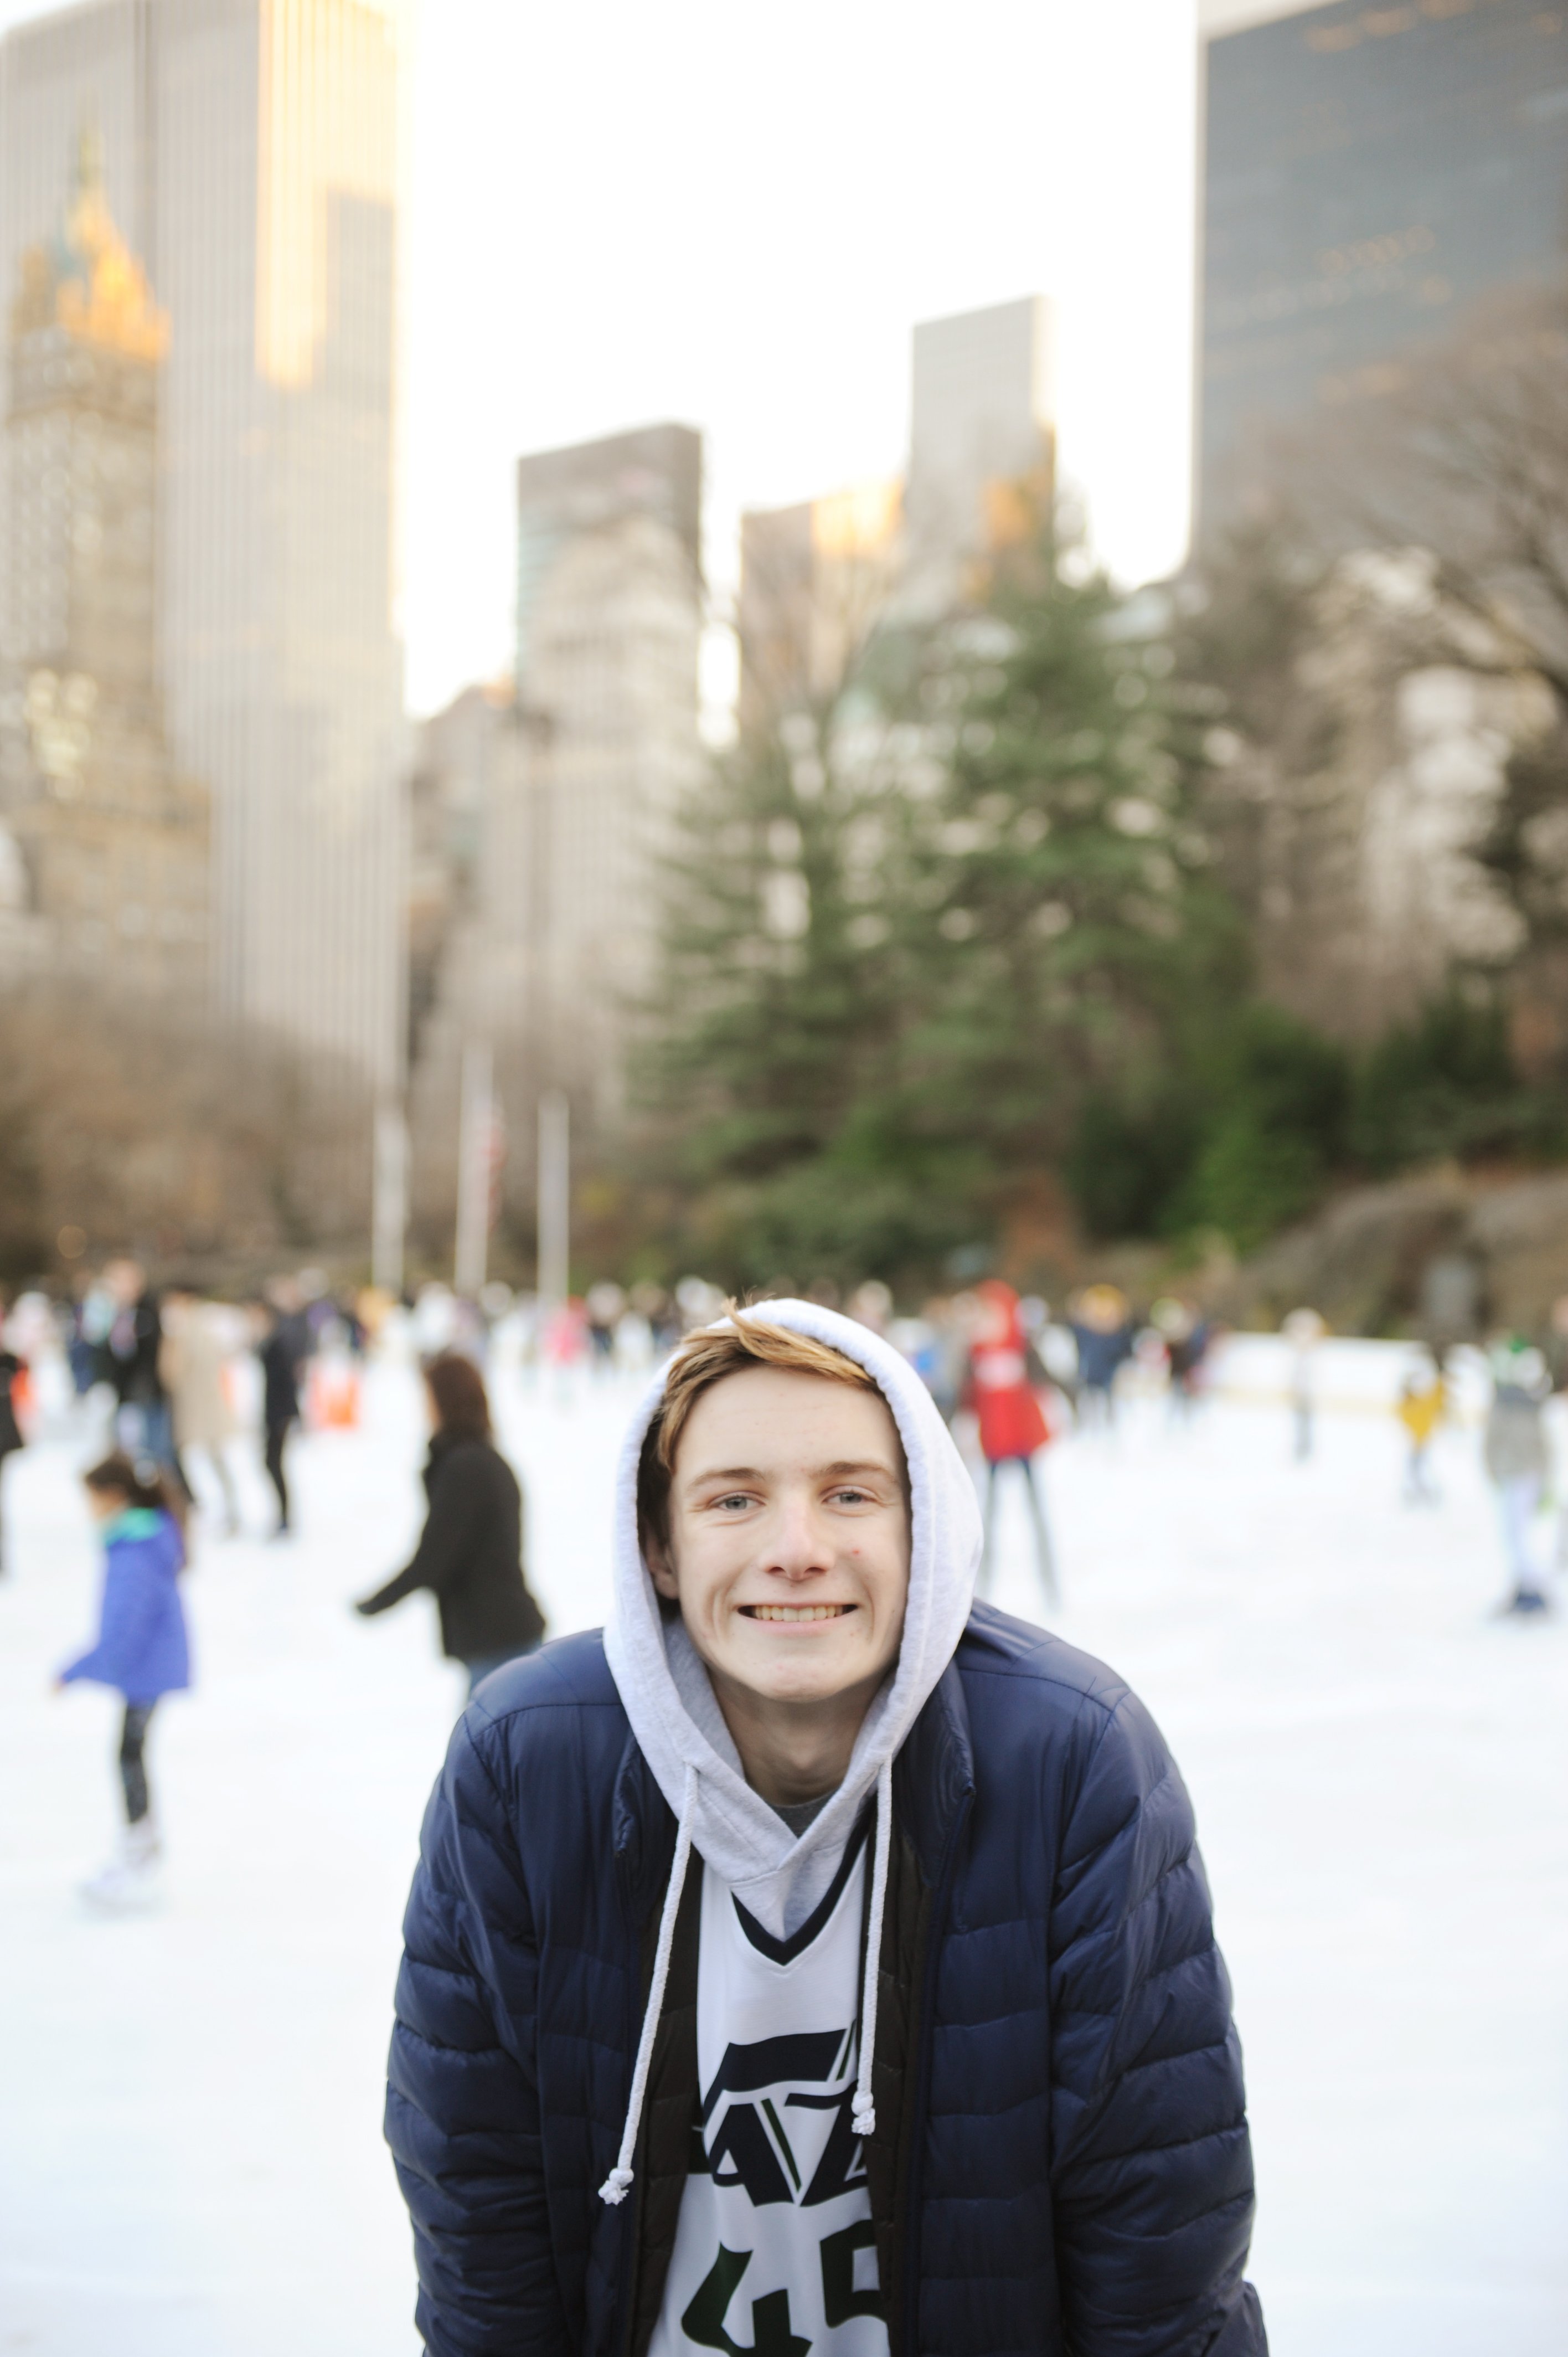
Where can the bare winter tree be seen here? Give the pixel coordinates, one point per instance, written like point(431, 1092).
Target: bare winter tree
point(1389, 651)
point(1468, 465)
point(139, 1130)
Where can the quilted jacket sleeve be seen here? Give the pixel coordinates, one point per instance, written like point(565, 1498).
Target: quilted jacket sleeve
point(462, 2115)
point(1152, 2165)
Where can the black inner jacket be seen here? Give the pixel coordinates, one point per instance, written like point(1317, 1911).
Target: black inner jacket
point(470, 1553)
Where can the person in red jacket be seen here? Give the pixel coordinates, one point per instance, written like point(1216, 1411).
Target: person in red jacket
point(1001, 1390)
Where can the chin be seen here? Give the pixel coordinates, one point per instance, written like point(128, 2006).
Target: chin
point(804, 1682)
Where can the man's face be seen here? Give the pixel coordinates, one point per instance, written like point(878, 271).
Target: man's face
point(789, 1549)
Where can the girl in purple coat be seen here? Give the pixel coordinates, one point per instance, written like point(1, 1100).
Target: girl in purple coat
point(142, 1649)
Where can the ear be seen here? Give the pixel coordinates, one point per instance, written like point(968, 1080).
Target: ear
point(661, 1568)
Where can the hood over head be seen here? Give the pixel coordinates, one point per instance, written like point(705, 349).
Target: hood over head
point(662, 1680)
point(676, 1718)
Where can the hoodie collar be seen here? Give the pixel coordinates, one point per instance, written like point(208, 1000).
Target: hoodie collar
point(933, 1777)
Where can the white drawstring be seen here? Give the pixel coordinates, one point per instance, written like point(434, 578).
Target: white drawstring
point(616, 2184)
point(862, 2117)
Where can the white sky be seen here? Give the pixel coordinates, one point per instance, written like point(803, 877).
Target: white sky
point(732, 216)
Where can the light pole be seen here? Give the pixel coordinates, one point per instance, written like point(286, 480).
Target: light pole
point(475, 1170)
point(555, 1200)
point(389, 1197)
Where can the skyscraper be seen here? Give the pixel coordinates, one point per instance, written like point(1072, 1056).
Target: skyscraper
point(980, 425)
point(817, 579)
point(472, 928)
point(110, 842)
point(1368, 173)
point(608, 620)
point(250, 156)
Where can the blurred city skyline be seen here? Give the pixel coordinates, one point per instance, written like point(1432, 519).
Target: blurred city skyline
point(615, 220)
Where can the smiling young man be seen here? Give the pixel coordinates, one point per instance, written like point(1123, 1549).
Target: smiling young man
point(816, 1965)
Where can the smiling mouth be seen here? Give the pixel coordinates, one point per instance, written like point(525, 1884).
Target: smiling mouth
point(795, 1612)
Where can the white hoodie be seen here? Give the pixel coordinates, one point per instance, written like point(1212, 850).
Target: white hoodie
point(776, 1875)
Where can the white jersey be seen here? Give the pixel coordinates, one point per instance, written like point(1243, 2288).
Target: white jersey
point(775, 2252)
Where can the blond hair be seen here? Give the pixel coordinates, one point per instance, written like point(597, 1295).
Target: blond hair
point(705, 1359)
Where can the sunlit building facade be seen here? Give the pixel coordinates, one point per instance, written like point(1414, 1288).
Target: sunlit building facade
point(250, 155)
point(982, 439)
point(1369, 174)
point(608, 624)
point(106, 862)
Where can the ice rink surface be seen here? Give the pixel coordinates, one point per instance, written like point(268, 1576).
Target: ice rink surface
point(190, 2155)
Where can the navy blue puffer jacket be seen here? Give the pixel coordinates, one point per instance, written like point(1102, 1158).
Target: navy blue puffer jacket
point(1075, 2176)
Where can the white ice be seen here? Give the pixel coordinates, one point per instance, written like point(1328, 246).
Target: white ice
point(190, 2157)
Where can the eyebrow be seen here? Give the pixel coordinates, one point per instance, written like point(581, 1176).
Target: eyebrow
point(839, 1469)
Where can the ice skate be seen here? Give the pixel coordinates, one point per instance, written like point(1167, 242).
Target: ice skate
point(1522, 1605)
point(131, 1881)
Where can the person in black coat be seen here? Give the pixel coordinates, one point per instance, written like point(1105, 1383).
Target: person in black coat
point(470, 1551)
point(283, 1349)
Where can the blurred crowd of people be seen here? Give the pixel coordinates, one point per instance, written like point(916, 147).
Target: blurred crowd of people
point(165, 1381)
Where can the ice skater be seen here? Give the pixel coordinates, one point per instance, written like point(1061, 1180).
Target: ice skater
point(1102, 1329)
point(283, 1349)
point(1304, 1330)
point(1519, 1462)
point(1422, 1402)
point(470, 1551)
point(128, 1360)
point(191, 1363)
point(1186, 1337)
point(1012, 1423)
point(142, 1652)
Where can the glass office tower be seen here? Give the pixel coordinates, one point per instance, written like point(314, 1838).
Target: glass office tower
point(250, 154)
point(1370, 172)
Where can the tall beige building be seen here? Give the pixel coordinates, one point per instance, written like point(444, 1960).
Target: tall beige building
point(107, 845)
point(609, 617)
point(473, 928)
point(982, 432)
point(251, 157)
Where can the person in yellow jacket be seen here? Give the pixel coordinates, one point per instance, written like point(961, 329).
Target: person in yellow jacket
point(1422, 1402)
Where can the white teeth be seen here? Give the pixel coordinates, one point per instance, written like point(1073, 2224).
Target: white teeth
point(796, 1612)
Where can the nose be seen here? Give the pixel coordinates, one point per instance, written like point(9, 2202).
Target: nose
point(801, 1547)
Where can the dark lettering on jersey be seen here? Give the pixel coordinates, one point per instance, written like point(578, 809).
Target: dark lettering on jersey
point(743, 2141)
point(840, 2298)
point(834, 2172)
point(771, 2333)
point(807, 2054)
